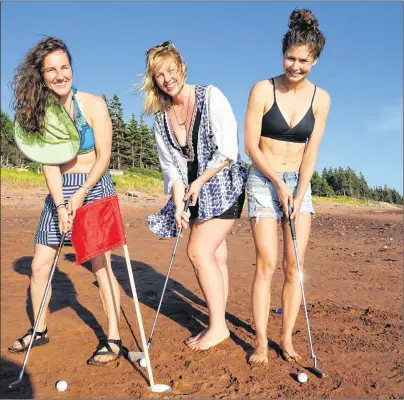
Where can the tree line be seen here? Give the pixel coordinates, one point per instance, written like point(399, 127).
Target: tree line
point(133, 145)
point(345, 182)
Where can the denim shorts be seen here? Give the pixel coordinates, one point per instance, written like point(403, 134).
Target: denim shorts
point(263, 200)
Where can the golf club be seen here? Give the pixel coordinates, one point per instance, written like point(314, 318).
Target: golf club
point(62, 239)
point(314, 370)
point(155, 388)
point(138, 355)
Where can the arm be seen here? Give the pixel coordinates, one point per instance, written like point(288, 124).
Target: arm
point(172, 178)
point(310, 153)
point(252, 135)
point(54, 182)
point(102, 128)
point(224, 129)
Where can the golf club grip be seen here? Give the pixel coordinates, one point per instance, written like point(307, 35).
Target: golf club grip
point(292, 223)
point(186, 205)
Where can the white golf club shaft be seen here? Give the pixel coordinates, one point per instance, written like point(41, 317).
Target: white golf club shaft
point(139, 316)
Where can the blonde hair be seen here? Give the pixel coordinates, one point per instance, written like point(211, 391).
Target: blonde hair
point(154, 98)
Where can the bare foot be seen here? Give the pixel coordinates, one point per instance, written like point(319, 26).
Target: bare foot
point(210, 339)
point(289, 352)
point(260, 355)
point(196, 337)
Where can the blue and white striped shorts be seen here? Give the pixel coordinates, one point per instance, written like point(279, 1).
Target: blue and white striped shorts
point(48, 230)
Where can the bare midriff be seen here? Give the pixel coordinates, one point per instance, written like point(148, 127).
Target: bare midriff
point(82, 164)
point(282, 156)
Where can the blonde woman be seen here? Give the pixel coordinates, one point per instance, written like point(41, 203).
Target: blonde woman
point(196, 135)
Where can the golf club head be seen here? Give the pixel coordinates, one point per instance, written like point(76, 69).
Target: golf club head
point(135, 355)
point(15, 383)
point(160, 388)
point(316, 372)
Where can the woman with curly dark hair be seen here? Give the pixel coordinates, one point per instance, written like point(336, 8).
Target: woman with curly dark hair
point(45, 101)
point(284, 125)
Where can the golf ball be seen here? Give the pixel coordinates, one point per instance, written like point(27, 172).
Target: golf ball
point(302, 377)
point(143, 362)
point(61, 386)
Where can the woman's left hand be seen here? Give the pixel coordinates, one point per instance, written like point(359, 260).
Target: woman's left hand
point(75, 202)
point(193, 191)
point(297, 203)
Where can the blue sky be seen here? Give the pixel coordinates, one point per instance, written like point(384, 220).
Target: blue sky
point(232, 45)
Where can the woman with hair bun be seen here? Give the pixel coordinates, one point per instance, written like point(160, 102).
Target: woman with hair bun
point(284, 125)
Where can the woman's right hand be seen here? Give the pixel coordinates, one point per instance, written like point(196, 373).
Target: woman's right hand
point(181, 217)
point(64, 225)
point(285, 197)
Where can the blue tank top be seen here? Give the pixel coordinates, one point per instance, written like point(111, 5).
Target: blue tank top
point(87, 141)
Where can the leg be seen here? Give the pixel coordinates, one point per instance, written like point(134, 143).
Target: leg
point(221, 261)
point(205, 240)
point(110, 298)
point(266, 246)
point(291, 294)
point(40, 270)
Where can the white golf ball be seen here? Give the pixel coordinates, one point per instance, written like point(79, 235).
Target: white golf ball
point(302, 377)
point(61, 386)
point(143, 362)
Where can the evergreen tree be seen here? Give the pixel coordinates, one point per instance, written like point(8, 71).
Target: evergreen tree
point(363, 187)
point(147, 150)
point(133, 137)
point(10, 154)
point(119, 144)
point(316, 184)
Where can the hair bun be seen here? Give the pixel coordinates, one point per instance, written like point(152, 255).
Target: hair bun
point(302, 19)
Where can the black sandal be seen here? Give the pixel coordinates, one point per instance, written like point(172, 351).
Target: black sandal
point(39, 340)
point(108, 352)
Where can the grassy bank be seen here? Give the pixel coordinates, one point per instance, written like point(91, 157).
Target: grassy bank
point(140, 180)
point(341, 200)
point(149, 182)
point(12, 178)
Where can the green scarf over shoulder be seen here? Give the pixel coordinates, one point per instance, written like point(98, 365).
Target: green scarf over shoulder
point(59, 141)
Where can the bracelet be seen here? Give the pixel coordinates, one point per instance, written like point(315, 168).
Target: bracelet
point(60, 205)
point(86, 188)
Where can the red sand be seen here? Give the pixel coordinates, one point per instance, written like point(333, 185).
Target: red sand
point(353, 284)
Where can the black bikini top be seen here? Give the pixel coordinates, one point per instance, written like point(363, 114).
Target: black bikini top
point(274, 125)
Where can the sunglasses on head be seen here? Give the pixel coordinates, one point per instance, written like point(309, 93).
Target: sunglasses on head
point(167, 43)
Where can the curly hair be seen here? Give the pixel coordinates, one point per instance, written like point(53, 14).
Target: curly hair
point(303, 30)
point(30, 92)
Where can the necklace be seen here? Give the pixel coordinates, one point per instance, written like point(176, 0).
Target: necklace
point(70, 106)
point(183, 124)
